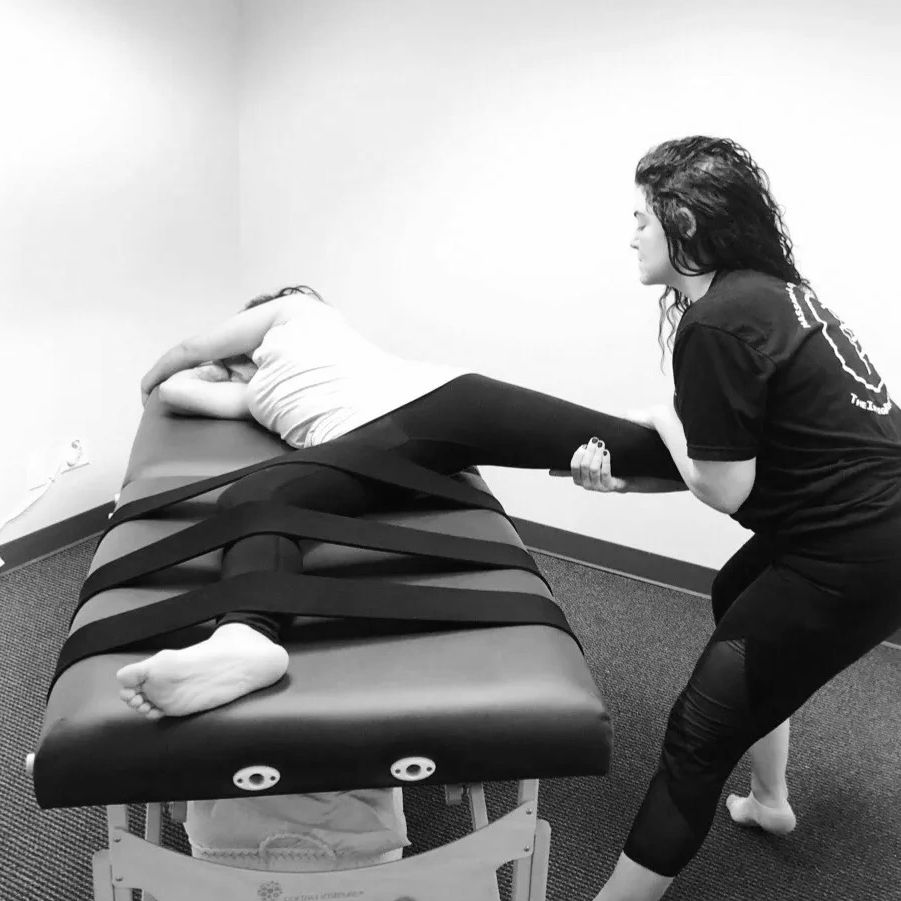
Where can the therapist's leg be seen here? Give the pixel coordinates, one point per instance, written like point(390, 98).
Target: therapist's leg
point(798, 624)
point(767, 804)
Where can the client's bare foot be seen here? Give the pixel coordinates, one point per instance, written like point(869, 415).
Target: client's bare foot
point(234, 661)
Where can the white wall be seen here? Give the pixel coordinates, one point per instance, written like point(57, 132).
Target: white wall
point(458, 178)
point(118, 220)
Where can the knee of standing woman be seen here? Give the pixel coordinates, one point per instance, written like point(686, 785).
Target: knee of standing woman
point(722, 594)
point(709, 729)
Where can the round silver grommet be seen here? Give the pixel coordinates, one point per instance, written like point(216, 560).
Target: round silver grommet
point(256, 778)
point(412, 769)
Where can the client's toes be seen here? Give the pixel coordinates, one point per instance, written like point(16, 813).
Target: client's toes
point(149, 710)
point(133, 676)
point(140, 704)
point(137, 702)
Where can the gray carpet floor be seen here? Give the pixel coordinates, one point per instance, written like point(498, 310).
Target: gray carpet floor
point(641, 642)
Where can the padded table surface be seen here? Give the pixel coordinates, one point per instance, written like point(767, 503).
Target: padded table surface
point(484, 704)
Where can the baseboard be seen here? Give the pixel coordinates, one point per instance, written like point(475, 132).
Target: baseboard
point(53, 538)
point(627, 561)
point(634, 564)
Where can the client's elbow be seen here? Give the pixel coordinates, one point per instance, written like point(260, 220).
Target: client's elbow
point(167, 393)
point(175, 393)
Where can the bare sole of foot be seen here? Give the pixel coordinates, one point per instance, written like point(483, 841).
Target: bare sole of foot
point(234, 661)
point(750, 812)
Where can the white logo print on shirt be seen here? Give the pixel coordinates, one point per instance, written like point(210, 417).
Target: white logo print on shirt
point(846, 348)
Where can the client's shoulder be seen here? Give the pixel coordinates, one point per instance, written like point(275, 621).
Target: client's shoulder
point(301, 308)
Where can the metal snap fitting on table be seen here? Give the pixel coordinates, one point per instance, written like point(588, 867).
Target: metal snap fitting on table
point(256, 778)
point(413, 769)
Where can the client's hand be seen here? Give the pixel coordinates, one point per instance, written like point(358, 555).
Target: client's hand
point(147, 385)
point(214, 371)
point(239, 368)
point(232, 369)
point(590, 468)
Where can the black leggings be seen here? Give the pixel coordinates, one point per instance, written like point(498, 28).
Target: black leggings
point(469, 421)
point(786, 623)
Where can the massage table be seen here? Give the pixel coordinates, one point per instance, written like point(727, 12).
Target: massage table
point(367, 701)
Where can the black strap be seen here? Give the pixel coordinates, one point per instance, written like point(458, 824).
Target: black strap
point(376, 465)
point(264, 518)
point(319, 596)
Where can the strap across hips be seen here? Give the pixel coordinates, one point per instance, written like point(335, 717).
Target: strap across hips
point(375, 465)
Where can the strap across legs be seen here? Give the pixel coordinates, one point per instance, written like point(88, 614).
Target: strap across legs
point(375, 465)
point(263, 518)
point(311, 595)
point(318, 596)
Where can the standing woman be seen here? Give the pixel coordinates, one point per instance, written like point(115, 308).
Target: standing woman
point(781, 421)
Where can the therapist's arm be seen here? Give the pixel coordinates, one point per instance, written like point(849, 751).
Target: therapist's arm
point(722, 485)
point(630, 485)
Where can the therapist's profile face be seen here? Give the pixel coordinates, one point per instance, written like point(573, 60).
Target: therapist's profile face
point(649, 240)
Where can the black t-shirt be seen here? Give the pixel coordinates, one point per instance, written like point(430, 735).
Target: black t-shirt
point(762, 369)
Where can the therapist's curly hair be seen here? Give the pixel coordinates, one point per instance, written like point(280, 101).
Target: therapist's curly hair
point(293, 289)
point(738, 224)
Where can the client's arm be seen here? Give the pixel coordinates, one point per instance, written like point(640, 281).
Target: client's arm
point(240, 334)
point(207, 390)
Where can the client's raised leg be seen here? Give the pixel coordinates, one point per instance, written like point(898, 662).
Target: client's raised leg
point(475, 420)
point(244, 653)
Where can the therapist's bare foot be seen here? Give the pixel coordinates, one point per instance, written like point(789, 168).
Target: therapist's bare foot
point(234, 661)
point(776, 817)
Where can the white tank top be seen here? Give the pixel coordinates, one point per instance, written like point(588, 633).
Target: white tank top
point(318, 379)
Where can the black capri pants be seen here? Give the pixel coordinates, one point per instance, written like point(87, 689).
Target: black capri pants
point(469, 421)
point(787, 621)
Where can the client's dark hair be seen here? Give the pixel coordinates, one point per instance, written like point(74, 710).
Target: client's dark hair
point(738, 224)
point(294, 289)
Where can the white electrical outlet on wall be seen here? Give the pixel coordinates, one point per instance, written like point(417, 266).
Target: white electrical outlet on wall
point(44, 468)
point(75, 455)
point(51, 462)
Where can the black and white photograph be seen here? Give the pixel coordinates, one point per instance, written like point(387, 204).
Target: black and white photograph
point(450, 450)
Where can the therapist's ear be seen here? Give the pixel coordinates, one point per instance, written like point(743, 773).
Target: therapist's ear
point(686, 222)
